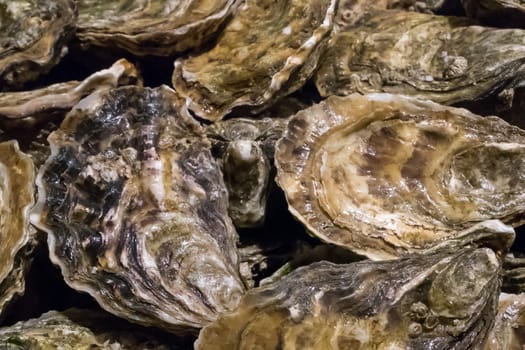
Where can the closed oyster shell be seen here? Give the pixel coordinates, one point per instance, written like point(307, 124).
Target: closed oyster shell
point(384, 175)
point(33, 35)
point(77, 329)
point(259, 57)
point(438, 301)
point(16, 235)
point(26, 108)
point(508, 332)
point(423, 56)
point(245, 150)
point(157, 27)
point(505, 13)
point(136, 210)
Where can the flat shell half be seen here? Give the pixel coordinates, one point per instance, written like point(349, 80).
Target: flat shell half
point(438, 301)
point(151, 27)
point(136, 210)
point(268, 50)
point(385, 174)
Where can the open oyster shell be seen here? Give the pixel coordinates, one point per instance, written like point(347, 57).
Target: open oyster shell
point(384, 175)
point(136, 210)
point(506, 13)
point(77, 329)
point(508, 332)
point(26, 108)
point(258, 58)
point(157, 27)
point(438, 301)
point(16, 235)
point(245, 149)
point(424, 56)
point(33, 35)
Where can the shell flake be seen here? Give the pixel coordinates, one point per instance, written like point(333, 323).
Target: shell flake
point(259, 57)
point(136, 210)
point(385, 174)
point(438, 301)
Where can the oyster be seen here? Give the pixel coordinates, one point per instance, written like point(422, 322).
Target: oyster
point(385, 175)
point(157, 27)
point(245, 150)
point(440, 301)
point(16, 235)
point(26, 108)
point(423, 56)
point(33, 35)
point(136, 210)
point(506, 13)
point(508, 332)
point(76, 329)
point(259, 57)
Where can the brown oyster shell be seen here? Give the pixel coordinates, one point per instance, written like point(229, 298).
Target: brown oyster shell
point(385, 175)
point(151, 27)
point(504, 13)
point(77, 329)
point(423, 56)
point(33, 35)
point(136, 210)
point(16, 235)
point(437, 301)
point(258, 58)
point(26, 108)
point(508, 332)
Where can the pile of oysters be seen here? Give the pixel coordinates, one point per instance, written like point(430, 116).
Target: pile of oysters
point(262, 174)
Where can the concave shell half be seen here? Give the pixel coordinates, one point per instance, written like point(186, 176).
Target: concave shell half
point(136, 210)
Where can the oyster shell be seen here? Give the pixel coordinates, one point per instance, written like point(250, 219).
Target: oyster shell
point(385, 175)
point(508, 332)
point(259, 57)
point(157, 27)
point(76, 329)
point(424, 56)
point(136, 210)
point(245, 150)
point(25, 108)
point(16, 235)
point(506, 13)
point(438, 301)
point(33, 35)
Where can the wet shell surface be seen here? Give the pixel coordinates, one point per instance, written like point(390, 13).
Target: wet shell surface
point(136, 210)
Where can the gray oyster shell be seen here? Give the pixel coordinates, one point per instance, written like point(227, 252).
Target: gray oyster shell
point(151, 27)
point(384, 175)
point(245, 149)
point(508, 332)
point(258, 58)
point(445, 300)
point(423, 56)
point(26, 108)
point(16, 235)
point(136, 210)
point(33, 35)
point(505, 13)
point(77, 329)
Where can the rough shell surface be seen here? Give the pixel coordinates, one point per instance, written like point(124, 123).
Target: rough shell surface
point(136, 210)
point(157, 27)
point(25, 108)
point(33, 35)
point(245, 149)
point(438, 301)
point(258, 58)
point(508, 332)
point(423, 56)
point(385, 174)
point(77, 329)
point(16, 235)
